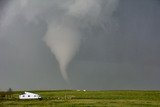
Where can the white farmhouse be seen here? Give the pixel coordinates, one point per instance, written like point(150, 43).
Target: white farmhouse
point(28, 95)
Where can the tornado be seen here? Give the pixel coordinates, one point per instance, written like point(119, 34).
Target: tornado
point(64, 41)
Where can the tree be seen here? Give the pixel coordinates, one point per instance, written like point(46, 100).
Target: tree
point(9, 90)
point(9, 93)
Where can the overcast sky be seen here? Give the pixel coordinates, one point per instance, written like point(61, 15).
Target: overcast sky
point(123, 55)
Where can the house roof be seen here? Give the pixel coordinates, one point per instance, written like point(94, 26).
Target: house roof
point(29, 93)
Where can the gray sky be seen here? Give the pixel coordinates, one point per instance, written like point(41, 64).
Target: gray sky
point(123, 55)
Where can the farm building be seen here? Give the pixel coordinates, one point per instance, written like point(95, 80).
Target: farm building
point(29, 95)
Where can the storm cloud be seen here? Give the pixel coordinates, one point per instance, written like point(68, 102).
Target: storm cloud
point(119, 44)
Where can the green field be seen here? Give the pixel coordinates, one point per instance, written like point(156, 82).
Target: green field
point(73, 98)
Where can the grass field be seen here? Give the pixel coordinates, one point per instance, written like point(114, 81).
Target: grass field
point(73, 98)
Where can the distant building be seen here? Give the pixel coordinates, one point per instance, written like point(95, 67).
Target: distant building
point(28, 95)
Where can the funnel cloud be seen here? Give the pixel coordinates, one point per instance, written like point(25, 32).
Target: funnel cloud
point(64, 42)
